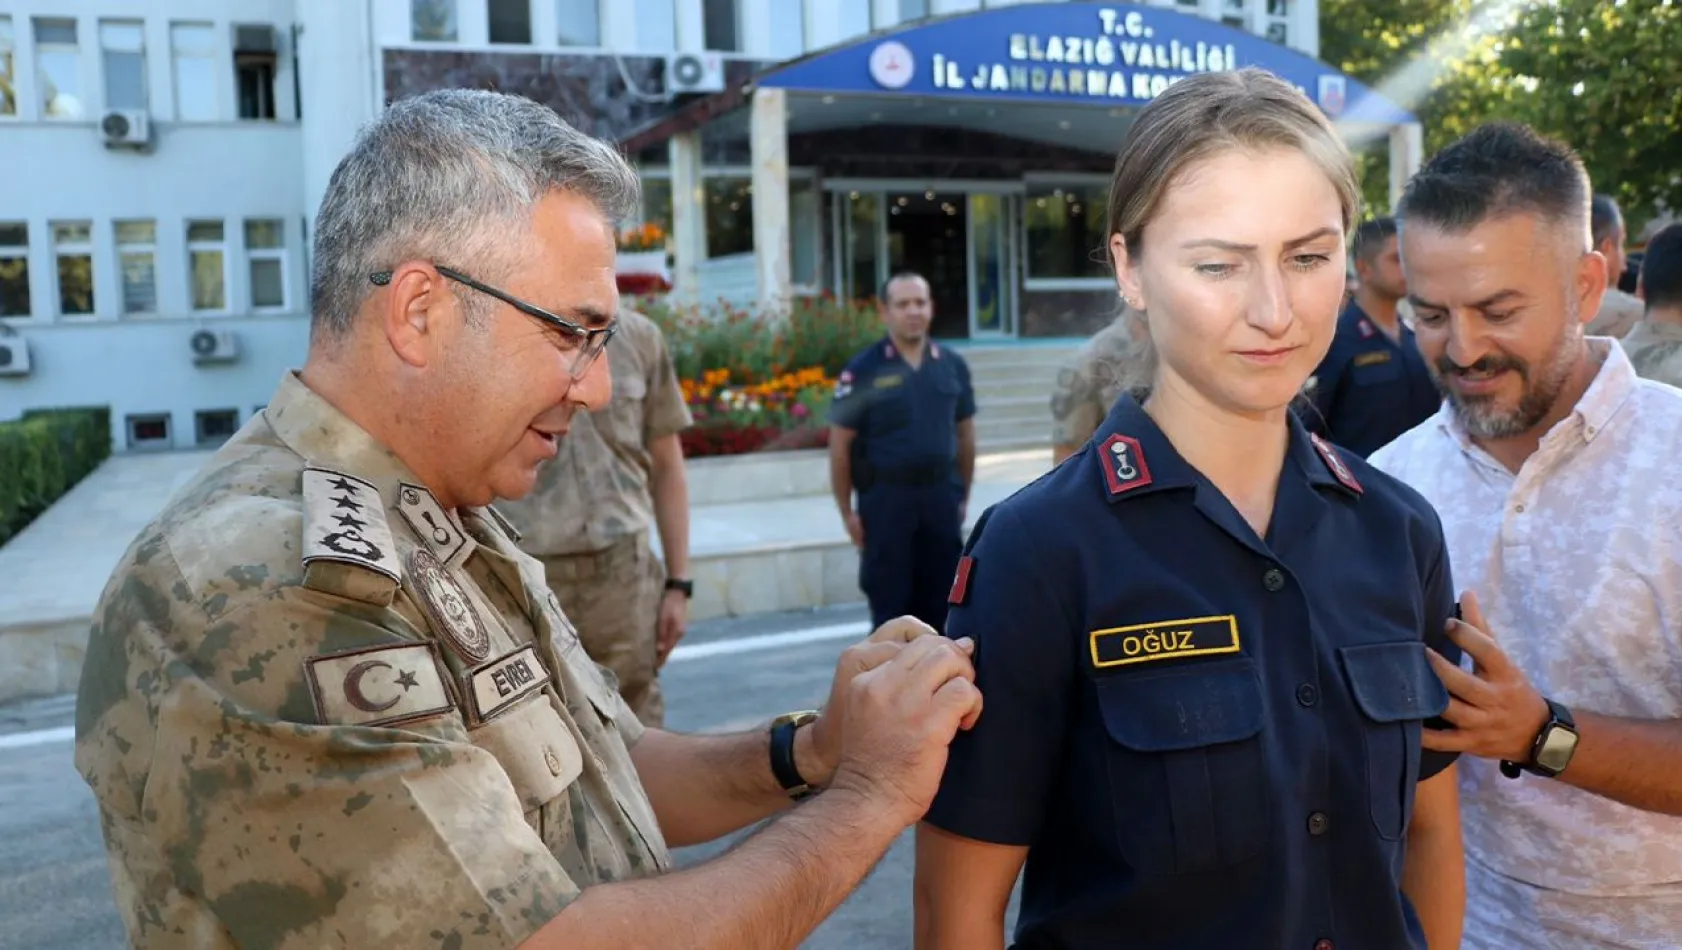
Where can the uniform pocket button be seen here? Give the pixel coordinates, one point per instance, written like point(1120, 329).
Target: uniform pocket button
point(1318, 823)
point(1307, 694)
point(553, 761)
point(1273, 580)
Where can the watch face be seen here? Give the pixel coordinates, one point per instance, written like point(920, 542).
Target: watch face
point(1557, 748)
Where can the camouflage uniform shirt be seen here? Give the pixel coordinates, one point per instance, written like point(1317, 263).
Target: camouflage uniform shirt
point(1088, 386)
point(1619, 312)
point(595, 492)
point(320, 710)
point(1655, 349)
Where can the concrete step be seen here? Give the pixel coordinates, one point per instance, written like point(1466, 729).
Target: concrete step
point(1039, 387)
point(990, 409)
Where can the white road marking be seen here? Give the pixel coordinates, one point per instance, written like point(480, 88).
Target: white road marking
point(23, 740)
point(769, 641)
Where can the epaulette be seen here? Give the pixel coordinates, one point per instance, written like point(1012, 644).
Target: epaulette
point(348, 550)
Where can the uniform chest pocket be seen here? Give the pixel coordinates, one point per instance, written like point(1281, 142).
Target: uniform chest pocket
point(536, 749)
point(1187, 766)
point(890, 404)
point(624, 412)
point(1396, 690)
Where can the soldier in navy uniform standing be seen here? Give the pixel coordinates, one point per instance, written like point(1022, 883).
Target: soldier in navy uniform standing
point(902, 434)
point(1204, 639)
point(1373, 385)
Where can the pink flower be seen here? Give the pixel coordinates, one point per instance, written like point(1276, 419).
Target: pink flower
point(800, 411)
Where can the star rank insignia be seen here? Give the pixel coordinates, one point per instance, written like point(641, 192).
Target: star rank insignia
point(344, 522)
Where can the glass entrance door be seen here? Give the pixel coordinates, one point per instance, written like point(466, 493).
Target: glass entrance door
point(993, 269)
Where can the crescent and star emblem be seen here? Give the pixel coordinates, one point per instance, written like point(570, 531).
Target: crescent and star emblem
point(359, 699)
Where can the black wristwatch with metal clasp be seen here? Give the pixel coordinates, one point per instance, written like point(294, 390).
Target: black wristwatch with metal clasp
point(783, 729)
point(1555, 744)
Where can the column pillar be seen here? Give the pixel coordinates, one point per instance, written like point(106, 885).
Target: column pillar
point(771, 244)
point(1407, 153)
point(689, 219)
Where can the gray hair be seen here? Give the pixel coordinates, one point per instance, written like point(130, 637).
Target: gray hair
point(447, 176)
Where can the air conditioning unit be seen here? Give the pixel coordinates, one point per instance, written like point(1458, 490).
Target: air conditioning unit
point(126, 128)
point(214, 346)
point(694, 72)
point(14, 356)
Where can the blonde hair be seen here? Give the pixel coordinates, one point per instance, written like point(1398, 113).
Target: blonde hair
point(1198, 118)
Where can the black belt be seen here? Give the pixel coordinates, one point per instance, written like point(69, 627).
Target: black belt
point(912, 476)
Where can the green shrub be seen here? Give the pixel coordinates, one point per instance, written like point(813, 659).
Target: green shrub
point(43, 455)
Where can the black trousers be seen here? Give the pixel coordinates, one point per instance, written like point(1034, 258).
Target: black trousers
point(912, 540)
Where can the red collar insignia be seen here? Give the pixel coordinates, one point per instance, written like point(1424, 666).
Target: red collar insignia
point(1124, 464)
point(1335, 462)
point(1367, 329)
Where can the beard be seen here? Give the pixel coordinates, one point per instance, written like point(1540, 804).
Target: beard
point(1484, 417)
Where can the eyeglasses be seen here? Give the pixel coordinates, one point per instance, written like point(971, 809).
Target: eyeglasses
point(589, 342)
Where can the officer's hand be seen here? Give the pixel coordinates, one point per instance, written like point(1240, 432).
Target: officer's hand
point(674, 622)
point(824, 751)
point(898, 719)
point(855, 529)
point(1495, 711)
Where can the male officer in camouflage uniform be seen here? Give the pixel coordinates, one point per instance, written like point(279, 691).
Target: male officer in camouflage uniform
point(1655, 345)
point(1619, 312)
point(618, 471)
point(328, 702)
point(1088, 385)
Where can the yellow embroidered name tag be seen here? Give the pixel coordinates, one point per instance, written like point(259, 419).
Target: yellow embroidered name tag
point(1140, 643)
point(1373, 358)
point(883, 382)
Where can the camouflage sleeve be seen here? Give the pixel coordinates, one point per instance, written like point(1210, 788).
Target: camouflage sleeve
point(664, 410)
point(227, 807)
point(1077, 409)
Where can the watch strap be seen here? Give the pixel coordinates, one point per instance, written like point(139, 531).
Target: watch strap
point(1558, 716)
point(683, 586)
point(783, 730)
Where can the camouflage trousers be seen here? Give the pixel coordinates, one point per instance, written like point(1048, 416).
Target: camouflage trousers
point(1507, 914)
point(613, 597)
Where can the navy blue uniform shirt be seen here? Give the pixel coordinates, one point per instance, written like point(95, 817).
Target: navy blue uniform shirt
point(905, 418)
point(1370, 389)
point(1206, 739)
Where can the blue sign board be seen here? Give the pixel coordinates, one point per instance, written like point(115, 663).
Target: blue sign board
point(1103, 54)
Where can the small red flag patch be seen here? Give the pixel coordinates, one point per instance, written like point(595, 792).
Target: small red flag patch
point(960, 583)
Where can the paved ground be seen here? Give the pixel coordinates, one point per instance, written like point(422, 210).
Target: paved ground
point(55, 890)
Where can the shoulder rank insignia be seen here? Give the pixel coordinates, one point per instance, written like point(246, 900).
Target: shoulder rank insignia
point(1124, 464)
point(345, 523)
point(447, 604)
point(1334, 461)
point(844, 384)
point(433, 525)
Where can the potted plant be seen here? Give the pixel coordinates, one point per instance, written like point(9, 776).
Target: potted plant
point(642, 259)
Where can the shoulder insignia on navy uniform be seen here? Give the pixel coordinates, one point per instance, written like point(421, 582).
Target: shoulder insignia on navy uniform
point(844, 384)
point(889, 351)
point(1367, 329)
point(377, 686)
point(1124, 464)
point(1373, 358)
point(934, 350)
point(446, 603)
point(345, 524)
point(1334, 461)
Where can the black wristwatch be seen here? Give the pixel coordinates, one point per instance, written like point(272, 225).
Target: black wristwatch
point(683, 586)
point(788, 775)
point(1553, 748)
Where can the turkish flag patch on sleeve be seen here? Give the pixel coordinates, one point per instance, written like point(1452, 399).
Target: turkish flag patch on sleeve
point(960, 583)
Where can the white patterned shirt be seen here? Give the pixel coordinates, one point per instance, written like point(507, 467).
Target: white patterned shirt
point(1577, 563)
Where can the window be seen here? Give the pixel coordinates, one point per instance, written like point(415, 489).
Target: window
point(137, 259)
point(729, 215)
point(207, 265)
point(788, 29)
point(14, 269)
point(657, 202)
point(123, 46)
point(73, 249)
point(265, 253)
point(854, 20)
point(578, 22)
point(913, 10)
point(215, 426)
point(254, 70)
point(1064, 227)
point(432, 21)
point(804, 201)
point(8, 79)
point(510, 21)
point(656, 26)
point(193, 48)
point(148, 430)
point(1232, 13)
point(58, 64)
point(720, 26)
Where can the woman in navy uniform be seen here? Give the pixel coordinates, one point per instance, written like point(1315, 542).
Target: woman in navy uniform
point(1202, 639)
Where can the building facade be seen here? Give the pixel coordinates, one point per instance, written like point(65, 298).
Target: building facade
point(165, 160)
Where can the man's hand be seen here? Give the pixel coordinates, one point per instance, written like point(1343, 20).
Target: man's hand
point(817, 750)
point(674, 622)
point(900, 717)
point(855, 529)
point(1496, 712)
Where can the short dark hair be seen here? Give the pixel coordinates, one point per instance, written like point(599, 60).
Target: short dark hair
point(1498, 169)
point(1661, 269)
point(1604, 218)
point(1371, 237)
point(899, 276)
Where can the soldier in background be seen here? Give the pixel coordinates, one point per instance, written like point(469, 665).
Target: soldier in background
point(1087, 386)
point(1619, 312)
point(620, 470)
point(1655, 345)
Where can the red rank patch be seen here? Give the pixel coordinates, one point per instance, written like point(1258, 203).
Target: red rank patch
point(1124, 464)
point(960, 583)
point(1335, 462)
point(1366, 329)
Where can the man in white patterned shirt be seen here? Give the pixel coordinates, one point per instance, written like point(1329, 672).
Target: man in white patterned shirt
point(1553, 468)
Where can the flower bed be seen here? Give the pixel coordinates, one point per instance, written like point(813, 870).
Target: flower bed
point(761, 381)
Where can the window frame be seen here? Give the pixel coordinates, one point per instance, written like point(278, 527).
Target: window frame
point(642, 46)
point(255, 254)
point(197, 247)
point(453, 21)
point(601, 25)
point(243, 59)
point(210, 55)
point(9, 59)
point(1030, 185)
point(123, 248)
point(74, 49)
point(74, 249)
point(735, 29)
point(105, 51)
point(14, 252)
